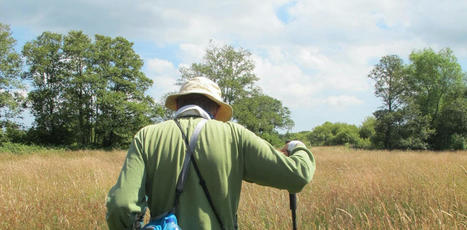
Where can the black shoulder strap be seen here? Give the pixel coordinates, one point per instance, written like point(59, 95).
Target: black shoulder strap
point(189, 154)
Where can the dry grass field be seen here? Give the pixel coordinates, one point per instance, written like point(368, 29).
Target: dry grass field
point(352, 189)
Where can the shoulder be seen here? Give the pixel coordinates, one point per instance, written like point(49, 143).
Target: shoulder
point(228, 125)
point(239, 131)
point(154, 128)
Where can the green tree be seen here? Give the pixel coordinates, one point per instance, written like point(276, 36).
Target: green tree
point(87, 93)
point(387, 125)
point(427, 109)
point(436, 83)
point(389, 77)
point(262, 114)
point(451, 126)
point(45, 60)
point(322, 134)
point(80, 87)
point(414, 129)
point(231, 69)
point(10, 83)
point(122, 107)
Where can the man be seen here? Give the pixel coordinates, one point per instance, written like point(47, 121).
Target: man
point(226, 154)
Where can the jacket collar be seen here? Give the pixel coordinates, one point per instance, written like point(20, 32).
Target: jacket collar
point(192, 110)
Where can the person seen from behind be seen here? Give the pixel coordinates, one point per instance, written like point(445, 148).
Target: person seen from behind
point(226, 153)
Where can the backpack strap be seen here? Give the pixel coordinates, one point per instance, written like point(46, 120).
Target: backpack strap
point(189, 156)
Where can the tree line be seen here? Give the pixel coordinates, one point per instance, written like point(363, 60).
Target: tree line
point(84, 92)
point(92, 93)
point(424, 102)
point(424, 106)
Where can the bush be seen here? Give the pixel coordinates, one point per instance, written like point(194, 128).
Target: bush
point(15, 148)
point(334, 134)
point(367, 130)
point(300, 136)
point(458, 142)
point(363, 143)
point(273, 139)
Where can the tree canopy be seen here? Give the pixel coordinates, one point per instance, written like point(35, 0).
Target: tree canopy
point(389, 76)
point(262, 114)
point(85, 92)
point(11, 86)
point(232, 69)
point(429, 98)
point(12, 90)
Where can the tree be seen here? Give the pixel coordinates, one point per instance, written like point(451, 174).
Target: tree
point(10, 84)
point(414, 129)
point(435, 78)
point(45, 59)
point(389, 77)
point(427, 106)
point(80, 88)
point(122, 107)
point(87, 93)
point(451, 126)
point(262, 114)
point(231, 69)
point(436, 82)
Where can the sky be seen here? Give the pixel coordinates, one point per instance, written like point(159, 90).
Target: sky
point(312, 55)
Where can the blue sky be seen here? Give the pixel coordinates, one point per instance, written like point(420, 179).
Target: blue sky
point(312, 55)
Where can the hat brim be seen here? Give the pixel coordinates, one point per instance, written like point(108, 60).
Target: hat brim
point(224, 113)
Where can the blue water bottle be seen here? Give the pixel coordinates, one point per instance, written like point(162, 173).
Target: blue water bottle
point(166, 222)
point(171, 223)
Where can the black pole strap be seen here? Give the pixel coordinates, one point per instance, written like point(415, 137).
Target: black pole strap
point(202, 182)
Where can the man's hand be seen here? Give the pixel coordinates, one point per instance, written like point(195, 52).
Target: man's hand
point(284, 149)
point(290, 146)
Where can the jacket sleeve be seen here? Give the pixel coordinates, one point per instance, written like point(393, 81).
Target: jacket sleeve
point(265, 165)
point(126, 199)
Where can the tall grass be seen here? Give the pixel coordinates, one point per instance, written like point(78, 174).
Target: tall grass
point(351, 190)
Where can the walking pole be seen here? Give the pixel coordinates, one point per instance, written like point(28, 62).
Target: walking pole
point(293, 204)
point(293, 207)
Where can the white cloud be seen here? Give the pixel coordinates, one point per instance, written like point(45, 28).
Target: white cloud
point(342, 101)
point(299, 75)
point(191, 53)
point(286, 82)
point(164, 75)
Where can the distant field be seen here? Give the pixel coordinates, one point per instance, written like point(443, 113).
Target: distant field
point(352, 189)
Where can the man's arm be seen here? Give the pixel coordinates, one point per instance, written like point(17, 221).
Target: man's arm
point(265, 165)
point(126, 199)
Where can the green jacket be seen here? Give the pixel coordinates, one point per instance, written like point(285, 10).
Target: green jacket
point(226, 153)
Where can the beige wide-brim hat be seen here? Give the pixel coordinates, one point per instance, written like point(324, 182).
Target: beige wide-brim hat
point(206, 87)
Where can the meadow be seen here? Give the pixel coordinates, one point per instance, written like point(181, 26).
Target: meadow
point(351, 189)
